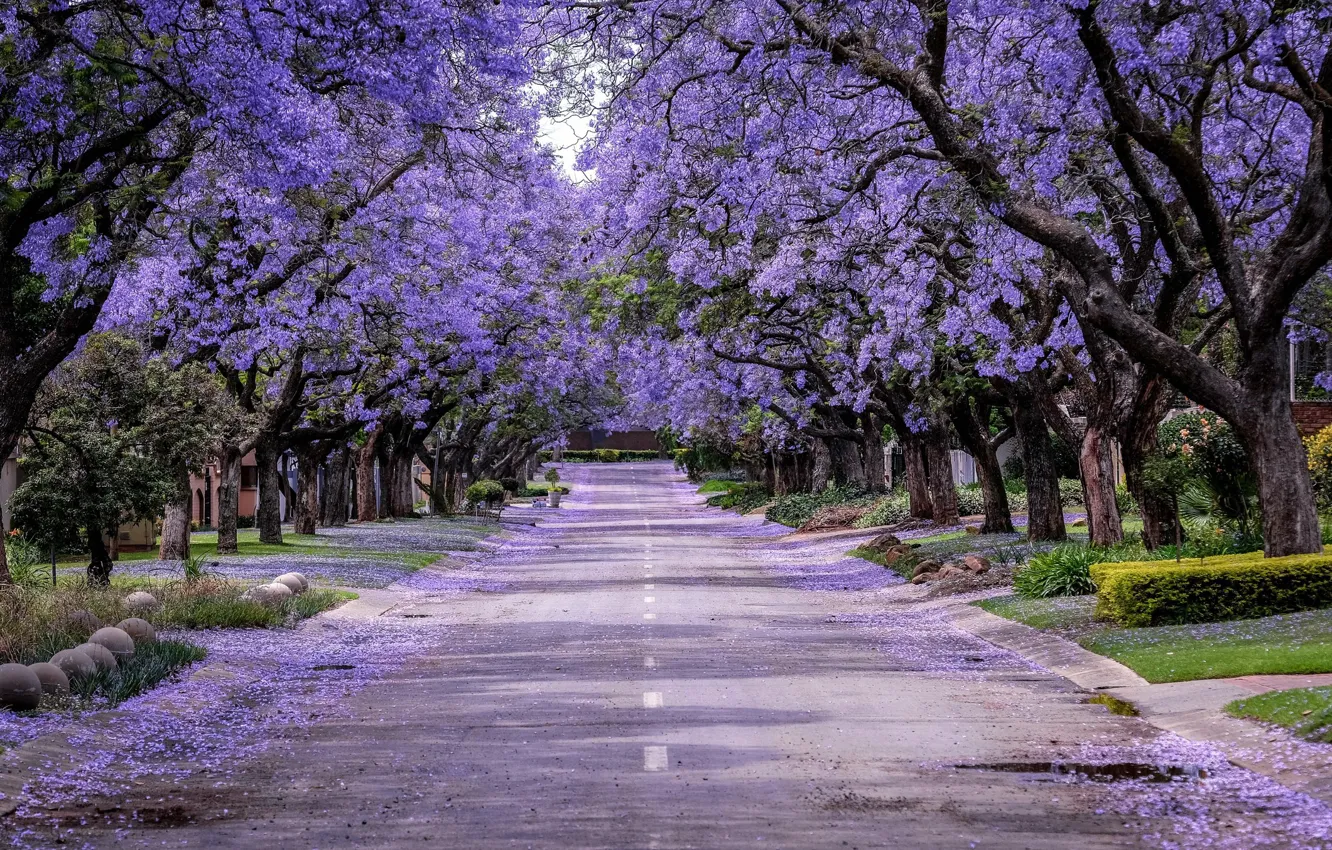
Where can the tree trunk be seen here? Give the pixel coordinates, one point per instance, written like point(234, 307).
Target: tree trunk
point(1097, 463)
point(848, 470)
point(875, 477)
point(228, 499)
point(1285, 492)
point(99, 564)
point(335, 487)
point(269, 518)
point(366, 506)
point(1158, 515)
point(175, 545)
point(306, 512)
point(386, 476)
point(403, 503)
point(917, 477)
point(822, 466)
point(1045, 514)
point(943, 493)
point(973, 430)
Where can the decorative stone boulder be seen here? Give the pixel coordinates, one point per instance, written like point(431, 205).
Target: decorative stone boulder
point(1080, 522)
point(927, 566)
point(949, 570)
point(883, 543)
point(295, 582)
point(100, 655)
point(972, 529)
point(83, 622)
point(271, 595)
point(922, 578)
point(75, 663)
point(977, 564)
point(20, 689)
point(53, 679)
point(116, 640)
point(140, 602)
point(141, 630)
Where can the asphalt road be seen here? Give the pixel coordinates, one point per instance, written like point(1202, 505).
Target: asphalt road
point(642, 681)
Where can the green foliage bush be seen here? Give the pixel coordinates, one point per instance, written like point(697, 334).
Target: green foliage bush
point(510, 485)
point(152, 662)
point(795, 509)
point(742, 497)
point(601, 455)
point(485, 492)
point(890, 509)
point(1230, 587)
point(1070, 492)
point(1062, 571)
point(1319, 449)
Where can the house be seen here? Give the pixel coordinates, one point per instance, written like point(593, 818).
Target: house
point(205, 489)
point(1310, 404)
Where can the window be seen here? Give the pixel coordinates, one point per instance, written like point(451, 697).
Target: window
point(249, 477)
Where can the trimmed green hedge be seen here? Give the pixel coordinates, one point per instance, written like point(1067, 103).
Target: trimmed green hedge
point(1227, 587)
point(602, 455)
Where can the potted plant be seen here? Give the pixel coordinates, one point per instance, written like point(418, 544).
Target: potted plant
point(553, 479)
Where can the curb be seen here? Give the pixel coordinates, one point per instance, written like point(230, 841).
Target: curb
point(1192, 710)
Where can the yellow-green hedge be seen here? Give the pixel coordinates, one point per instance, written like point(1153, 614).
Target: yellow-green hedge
point(1229, 587)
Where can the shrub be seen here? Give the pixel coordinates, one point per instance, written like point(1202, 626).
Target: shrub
point(1062, 571)
point(1319, 447)
point(1070, 492)
point(152, 662)
point(795, 509)
point(1230, 587)
point(607, 455)
point(893, 508)
point(741, 497)
point(510, 485)
point(485, 491)
point(552, 475)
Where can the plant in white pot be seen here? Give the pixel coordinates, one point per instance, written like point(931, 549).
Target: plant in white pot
point(553, 479)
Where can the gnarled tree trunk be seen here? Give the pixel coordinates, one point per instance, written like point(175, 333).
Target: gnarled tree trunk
point(875, 477)
point(367, 508)
point(1096, 462)
point(228, 498)
point(943, 493)
point(269, 517)
point(822, 465)
point(1276, 451)
point(917, 477)
point(1045, 513)
point(175, 543)
point(334, 514)
point(306, 513)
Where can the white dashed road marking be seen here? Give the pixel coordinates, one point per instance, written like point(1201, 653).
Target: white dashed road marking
point(654, 758)
point(652, 699)
point(649, 661)
point(649, 599)
point(649, 616)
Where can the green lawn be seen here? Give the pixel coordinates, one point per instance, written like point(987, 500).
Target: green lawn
point(1307, 712)
point(204, 544)
point(1287, 643)
point(717, 485)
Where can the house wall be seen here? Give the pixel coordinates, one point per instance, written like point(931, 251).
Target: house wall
point(1311, 416)
point(205, 487)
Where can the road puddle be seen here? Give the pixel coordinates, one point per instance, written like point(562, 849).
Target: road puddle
point(1110, 772)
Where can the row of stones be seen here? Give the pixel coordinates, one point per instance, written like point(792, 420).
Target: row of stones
point(22, 686)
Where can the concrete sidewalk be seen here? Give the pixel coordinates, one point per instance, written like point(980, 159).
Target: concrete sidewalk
point(1193, 710)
